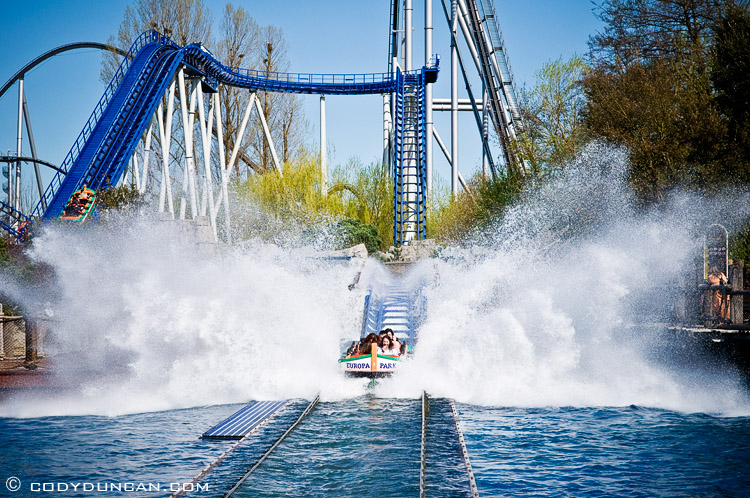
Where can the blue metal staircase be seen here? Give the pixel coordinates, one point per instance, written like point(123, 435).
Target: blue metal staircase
point(13, 221)
point(410, 174)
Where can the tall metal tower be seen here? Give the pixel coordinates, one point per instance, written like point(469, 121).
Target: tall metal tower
point(477, 53)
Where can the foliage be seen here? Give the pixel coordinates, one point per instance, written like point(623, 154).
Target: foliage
point(123, 197)
point(293, 194)
point(650, 90)
point(453, 220)
point(553, 126)
point(647, 109)
point(730, 63)
point(355, 232)
point(367, 193)
point(638, 31)
point(295, 197)
point(14, 264)
point(450, 219)
point(739, 245)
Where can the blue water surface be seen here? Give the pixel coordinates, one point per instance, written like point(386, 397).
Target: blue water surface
point(617, 452)
point(369, 447)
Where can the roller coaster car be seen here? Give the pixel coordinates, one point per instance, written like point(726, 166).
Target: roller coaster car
point(80, 205)
point(371, 364)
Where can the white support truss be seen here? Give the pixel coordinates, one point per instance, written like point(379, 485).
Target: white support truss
point(202, 173)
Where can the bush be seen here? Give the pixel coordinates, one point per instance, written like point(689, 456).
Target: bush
point(122, 197)
point(355, 232)
point(358, 196)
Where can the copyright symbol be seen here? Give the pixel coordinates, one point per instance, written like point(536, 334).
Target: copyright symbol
point(13, 483)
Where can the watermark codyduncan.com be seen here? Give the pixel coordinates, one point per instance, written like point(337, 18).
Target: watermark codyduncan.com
point(14, 484)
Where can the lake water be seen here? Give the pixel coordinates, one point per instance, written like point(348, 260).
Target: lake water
point(369, 447)
point(528, 327)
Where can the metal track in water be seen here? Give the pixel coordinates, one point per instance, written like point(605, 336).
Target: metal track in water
point(422, 451)
point(229, 451)
point(273, 447)
point(472, 481)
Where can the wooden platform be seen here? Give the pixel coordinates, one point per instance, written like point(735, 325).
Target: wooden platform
point(15, 378)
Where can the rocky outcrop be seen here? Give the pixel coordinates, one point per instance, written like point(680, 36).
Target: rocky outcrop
point(414, 250)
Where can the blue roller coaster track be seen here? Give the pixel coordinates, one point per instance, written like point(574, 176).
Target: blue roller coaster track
point(100, 154)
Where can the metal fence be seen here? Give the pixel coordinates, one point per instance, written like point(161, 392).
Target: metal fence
point(13, 334)
point(20, 339)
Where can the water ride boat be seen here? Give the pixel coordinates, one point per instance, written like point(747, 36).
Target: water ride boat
point(371, 364)
point(80, 205)
point(392, 313)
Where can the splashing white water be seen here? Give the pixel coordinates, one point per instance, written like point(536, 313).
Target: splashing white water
point(537, 322)
point(147, 321)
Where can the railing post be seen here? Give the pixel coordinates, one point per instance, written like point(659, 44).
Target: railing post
point(736, 280)
point(31, 337)
point(2, 333)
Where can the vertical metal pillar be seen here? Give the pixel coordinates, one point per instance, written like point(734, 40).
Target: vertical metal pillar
point(428, 100)
point(485, 133)
point(410, 161)
point(323, 151)
point(408, 12)
point(14, 176)
point(454, 98)
point(387, 131)
point(225, 172)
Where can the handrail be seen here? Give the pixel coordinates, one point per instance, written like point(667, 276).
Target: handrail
point(140, 42)
point(302, 82)
point(129, 102)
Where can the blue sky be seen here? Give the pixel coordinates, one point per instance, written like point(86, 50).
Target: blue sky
point(323, 36)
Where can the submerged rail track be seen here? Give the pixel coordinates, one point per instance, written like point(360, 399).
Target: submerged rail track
point(442, 448)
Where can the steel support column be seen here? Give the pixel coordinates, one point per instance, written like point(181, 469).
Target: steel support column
point(454, 98)
point(14, 176)
point(408, 29)
point(323, 150)
point(428, 100)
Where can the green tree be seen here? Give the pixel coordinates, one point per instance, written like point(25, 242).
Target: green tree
point(125, 196)
point(367, 193)
point(456, 220)
point(552, 111)
point(650, 90)
point(355, 232)
point(241, 43)
point(729, 75)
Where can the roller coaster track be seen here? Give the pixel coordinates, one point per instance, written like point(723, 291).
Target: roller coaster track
point(56, 51)
point(496, 73)
point(13, 221)
point(99, 156)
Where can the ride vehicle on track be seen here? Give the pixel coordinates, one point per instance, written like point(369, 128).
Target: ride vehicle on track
point(80, 205)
